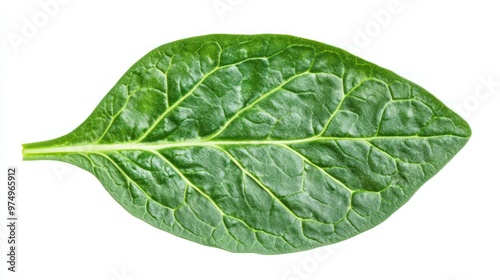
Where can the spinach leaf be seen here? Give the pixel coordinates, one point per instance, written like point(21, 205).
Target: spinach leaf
point(261, 143)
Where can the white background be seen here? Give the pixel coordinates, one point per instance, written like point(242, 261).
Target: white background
point(54, 75)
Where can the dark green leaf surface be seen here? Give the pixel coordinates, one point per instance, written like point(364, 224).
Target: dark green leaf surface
point(261, 143)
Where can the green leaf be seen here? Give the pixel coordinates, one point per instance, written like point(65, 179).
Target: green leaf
point(261, 143)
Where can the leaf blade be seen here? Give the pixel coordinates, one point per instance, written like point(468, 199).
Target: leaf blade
point(289, 144)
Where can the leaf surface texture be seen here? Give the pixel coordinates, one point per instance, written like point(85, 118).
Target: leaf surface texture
point(261, 143)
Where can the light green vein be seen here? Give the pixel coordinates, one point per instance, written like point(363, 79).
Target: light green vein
point(206, 196)
point(330, 119)
point(130, 180)
point(115, 116)
point(317, 167)
point(242, 110)
point(256, 180)
point(190, 92)
point(89, 148)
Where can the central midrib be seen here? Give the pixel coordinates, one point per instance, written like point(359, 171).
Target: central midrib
point(89, 148)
